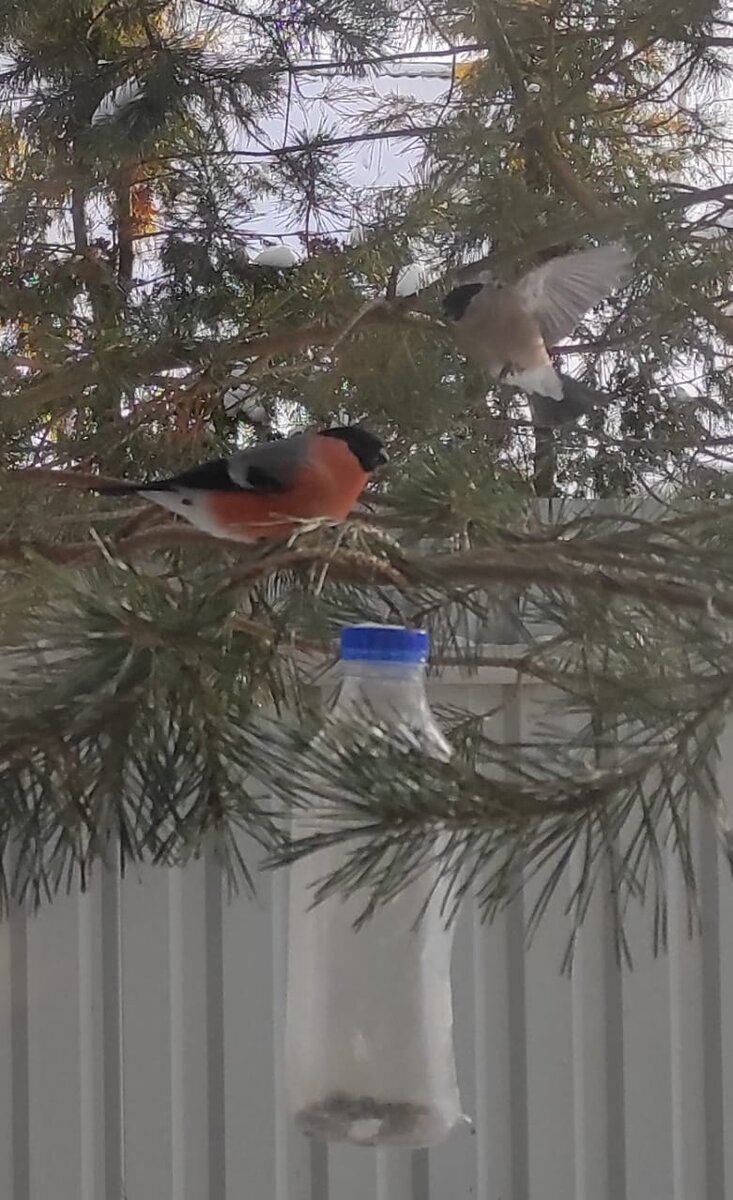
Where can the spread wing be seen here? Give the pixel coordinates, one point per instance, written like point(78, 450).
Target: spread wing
point(561, 291)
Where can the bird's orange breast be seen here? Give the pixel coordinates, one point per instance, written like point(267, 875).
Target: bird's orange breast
point(326, 487)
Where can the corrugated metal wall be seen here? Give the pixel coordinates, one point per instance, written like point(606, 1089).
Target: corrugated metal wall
point(141, 1042)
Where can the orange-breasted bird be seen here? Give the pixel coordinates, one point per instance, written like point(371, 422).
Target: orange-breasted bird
point(270, 490)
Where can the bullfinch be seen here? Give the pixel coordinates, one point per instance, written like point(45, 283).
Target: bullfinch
point(270, 490)
point(510, 330)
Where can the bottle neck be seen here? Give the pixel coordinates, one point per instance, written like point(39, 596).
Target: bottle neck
point(384, 686)
point(394, 693)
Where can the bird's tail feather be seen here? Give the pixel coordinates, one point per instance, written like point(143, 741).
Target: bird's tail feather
point(577, 400)
point(116, 489)
point(129, 489)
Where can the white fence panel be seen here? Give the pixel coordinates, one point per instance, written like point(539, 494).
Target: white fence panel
point(141, 1032)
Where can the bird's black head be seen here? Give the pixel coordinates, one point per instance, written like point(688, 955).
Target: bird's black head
point(457, 301)
point(363, 445)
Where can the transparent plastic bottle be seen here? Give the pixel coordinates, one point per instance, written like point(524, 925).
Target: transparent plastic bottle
point(369, 1026)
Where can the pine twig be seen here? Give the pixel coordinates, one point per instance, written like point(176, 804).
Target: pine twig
point(539, 134)
point(159, 537)
point(58, 389)
point(344, 565)
point(294, 644)
point(368, 308)
point(559, 565)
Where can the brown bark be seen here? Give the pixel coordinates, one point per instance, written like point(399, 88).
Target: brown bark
point(79, 220)
point(125, 225)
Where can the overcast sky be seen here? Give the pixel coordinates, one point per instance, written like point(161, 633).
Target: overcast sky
point(339, 105)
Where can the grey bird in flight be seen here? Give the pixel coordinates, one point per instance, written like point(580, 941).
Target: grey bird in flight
point(510, 330)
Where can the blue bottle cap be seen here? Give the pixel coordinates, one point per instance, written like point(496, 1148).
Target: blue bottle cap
point(384, 643)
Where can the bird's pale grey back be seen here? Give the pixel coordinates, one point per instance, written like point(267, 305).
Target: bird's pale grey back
point(280, 460)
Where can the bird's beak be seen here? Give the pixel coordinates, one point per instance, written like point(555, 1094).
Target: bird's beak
point(383, 458)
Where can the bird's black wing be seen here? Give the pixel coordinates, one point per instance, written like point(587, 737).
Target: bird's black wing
point(267, 467)
point(209, 477)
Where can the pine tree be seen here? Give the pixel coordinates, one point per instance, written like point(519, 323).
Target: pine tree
point(152, 670)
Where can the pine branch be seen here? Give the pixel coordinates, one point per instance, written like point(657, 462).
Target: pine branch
point(162, 537)
point(598, 566)
point(316, 144)
point(61, 388)
point(538, 133)
point(350, 65)
point(546, 142)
